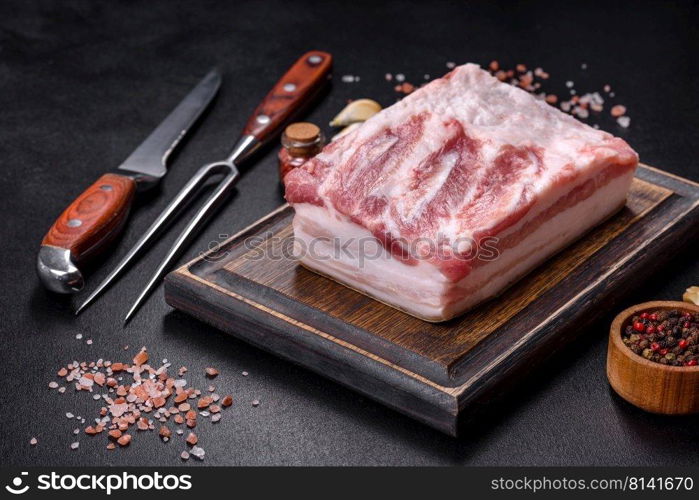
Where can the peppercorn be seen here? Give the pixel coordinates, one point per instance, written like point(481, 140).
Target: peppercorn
point(669, 337)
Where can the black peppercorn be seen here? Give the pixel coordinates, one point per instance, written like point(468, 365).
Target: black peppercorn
point(667, 337)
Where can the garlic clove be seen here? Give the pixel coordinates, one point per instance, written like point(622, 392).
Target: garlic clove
point(356, 111)
point(346, 130)
point(691, 295)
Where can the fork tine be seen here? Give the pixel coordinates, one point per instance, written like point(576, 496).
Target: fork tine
point(182, 198)
point(187, 234)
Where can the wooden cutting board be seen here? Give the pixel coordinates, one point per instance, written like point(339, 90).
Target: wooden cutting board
point(432, 372)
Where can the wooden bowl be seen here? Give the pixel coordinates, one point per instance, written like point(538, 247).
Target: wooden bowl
point(669, 390)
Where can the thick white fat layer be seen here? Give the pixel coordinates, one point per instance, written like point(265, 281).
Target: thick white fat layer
point(489, 280)
point(331, 244)
point(422, 290)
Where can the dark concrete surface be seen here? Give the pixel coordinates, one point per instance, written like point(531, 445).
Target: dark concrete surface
point(82, 83)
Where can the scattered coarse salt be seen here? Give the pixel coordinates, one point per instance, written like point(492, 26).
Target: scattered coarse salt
point(61, 390)
point(255, 403)
point(141, 358)
point(451, 65)
point(426, 76)
point(583, 66)
point(75, 445)
point(184, 455)
point(33, 441)
point(124, 440)
point(400, 77)
point(540, 73)
point(153, 396)
point(405, 87)
point(618, 110)
point(192, 439)
point(579, 106)
point(79, 336)
point(245, 374)
point(581, 112)
point(348, 78)
point(198, 452)
point(388, 77)
point(88, 341)
point(624, 121)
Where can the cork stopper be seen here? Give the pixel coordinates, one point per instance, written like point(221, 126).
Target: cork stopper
point(302, 132)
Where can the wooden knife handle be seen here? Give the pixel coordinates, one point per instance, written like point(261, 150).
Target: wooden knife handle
point(94, 218)
point(298, 85)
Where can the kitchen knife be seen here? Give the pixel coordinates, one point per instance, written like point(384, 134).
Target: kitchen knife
point(98, 215)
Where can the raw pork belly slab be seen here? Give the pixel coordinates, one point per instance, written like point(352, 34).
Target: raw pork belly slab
point(449, 196)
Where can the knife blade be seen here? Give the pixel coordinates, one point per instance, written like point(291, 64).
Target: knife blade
point(150, 158)
point(94, 218)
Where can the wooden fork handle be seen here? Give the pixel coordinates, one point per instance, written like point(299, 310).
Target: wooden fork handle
point(93, 219)
point(295, 89)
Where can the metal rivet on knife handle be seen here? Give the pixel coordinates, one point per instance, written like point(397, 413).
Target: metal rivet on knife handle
point(299, 85)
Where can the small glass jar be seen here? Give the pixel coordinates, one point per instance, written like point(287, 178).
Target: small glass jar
point(300, 142)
